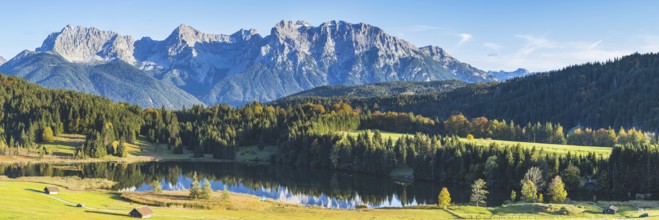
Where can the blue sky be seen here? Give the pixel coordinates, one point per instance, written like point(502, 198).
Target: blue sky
point(491, 35)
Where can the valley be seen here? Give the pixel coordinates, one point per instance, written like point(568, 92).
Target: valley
point(338, 109)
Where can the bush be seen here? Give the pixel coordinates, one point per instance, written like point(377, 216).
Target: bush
point(47, 135)
point(470, 137)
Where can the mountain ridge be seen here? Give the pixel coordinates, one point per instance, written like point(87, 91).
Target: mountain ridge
point(244, 66)
point(116, 80)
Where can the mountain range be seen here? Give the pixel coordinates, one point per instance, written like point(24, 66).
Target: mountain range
point(382, 89)
point(2, 60)
point(191, 67)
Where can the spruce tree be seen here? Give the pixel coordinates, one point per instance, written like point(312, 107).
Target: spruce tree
point(207, 191)
point(194, 187)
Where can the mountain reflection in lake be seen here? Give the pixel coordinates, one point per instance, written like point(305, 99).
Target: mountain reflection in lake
point(290, 184)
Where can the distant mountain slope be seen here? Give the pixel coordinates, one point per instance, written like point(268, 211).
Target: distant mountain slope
point(2, 60)
point(116, 80)
point(504, 75)
point(620, 93)
point(383, 89)
point(245, 66)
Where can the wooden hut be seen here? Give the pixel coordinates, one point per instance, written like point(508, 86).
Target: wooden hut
point(51, 190)
point(610, 210)
point(141, 212)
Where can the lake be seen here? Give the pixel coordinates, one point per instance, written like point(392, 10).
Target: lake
point(312, 187)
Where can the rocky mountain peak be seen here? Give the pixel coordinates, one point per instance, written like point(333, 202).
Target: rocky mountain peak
point(89, 44)
point(435, 52)
point(246, 66)
point(244, 35)
point(284, 27)
point(190, 36)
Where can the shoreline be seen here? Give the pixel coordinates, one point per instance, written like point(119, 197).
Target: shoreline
point(136, 159)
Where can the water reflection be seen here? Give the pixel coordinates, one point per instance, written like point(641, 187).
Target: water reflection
point(290, 184)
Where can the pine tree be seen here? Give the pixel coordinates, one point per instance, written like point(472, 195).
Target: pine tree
point(444, 198)
point(225, 194)
point(207, 191)
point(556, 190)
point(513, 196)
point(122, 150)
point(479, 192)
point(194, 187)
point(157, 187)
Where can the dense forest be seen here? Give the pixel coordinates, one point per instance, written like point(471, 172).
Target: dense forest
point(29, 111)
point(618, 93)
point(309, 135)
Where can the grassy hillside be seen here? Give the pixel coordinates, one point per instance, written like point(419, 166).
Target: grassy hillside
point(117, 80)
point(63, 149)
point(548, 148)
point(24, 200)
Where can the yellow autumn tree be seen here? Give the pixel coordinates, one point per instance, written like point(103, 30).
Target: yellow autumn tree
point(444, 198)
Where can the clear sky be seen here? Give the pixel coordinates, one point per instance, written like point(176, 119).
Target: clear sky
point(491, 35)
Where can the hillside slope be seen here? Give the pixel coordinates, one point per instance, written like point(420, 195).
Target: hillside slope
point(383, 89)
point(618, 93)
point(115, 80)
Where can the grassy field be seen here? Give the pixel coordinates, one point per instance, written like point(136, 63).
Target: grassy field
point(25, 200)
point(63, 150)
point(385, 134)
point(548, 148)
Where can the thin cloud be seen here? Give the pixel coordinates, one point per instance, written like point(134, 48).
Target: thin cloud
point(541, 53)
point(464, 37)
point(492, 46)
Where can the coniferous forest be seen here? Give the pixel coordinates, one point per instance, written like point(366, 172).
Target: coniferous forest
point(313, 135)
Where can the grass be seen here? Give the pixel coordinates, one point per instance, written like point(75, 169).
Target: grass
point(548, 148)
point(385, 134)
point(65, 144)
point(25, 200)
point(63, 150)
point(69, 182)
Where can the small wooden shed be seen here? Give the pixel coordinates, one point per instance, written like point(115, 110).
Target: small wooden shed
point(51, 190)
point(141, 212)
point(610, 210)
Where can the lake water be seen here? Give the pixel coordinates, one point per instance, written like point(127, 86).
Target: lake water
point(311, 187)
